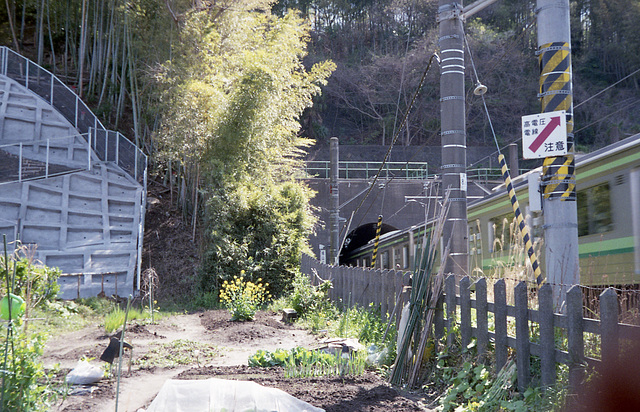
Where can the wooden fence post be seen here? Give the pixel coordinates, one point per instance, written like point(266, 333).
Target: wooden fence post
point(547, 336)
point(337, 285)
point(450, 300)
point(523, 350)
point(354, 274)
point(482, 321)
point(398, 293)
point(575, 337)
point(382, 295)
point(465, 311)
point(374, 285)
point(346, 288)
point(390, 294)
point(406, 292)
point(363, 289)
point(500, 312)
point(609, 326)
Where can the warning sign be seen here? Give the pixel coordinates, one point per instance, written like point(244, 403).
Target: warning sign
point(544, 135)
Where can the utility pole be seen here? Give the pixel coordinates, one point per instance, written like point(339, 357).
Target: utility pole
point(334, 215)
point(453, 133)
point(558, 180)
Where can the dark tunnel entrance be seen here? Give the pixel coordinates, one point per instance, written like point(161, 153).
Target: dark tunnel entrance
point(359, 237)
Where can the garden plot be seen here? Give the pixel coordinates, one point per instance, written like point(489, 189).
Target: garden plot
point(209, 345)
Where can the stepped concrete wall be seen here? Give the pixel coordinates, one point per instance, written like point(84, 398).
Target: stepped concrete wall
point(84, 220)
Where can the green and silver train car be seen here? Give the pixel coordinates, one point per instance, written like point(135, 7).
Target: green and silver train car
point(608, 201)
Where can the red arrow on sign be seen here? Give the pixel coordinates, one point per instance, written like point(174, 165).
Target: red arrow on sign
point(554, 122)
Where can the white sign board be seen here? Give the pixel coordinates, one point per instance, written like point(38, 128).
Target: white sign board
point(544, 135)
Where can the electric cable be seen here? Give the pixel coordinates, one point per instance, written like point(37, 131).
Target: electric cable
point(609, 115)
point(524, 230)
point(404, 66)
point(397, 134)
point(575, 107)
point(606, 88)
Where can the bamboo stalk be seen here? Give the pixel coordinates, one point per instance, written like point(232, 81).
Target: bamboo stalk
point(13, 31)
point(83, 45)
point(53, 52)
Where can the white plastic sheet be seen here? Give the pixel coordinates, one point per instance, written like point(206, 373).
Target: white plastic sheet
point(84, 374)
point(220, 395)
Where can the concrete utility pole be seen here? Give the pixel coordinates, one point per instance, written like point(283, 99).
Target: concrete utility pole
point(334, 215)
point(558, 180)
point(453, 133)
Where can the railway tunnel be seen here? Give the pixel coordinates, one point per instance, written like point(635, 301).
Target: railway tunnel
point(361, 236)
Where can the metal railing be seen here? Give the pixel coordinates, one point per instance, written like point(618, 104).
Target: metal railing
point(484, 174)
point(41, 159)
point(49, 88)
point(110, 146)
point(107, 145)
point(365, 170)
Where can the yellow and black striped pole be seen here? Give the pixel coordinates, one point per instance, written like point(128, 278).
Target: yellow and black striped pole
point(559, 204)
point(377, 241)
point(558, 173)
point(524, 230)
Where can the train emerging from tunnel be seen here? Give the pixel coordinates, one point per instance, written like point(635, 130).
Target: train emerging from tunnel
point(608, 204)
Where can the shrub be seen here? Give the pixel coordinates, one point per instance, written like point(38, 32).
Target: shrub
point(34, 282)
point(25, 382)
point(259, 229)
point(307, 298)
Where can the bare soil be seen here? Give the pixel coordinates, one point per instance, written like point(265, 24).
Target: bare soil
point(234, 342)
point(169, 248)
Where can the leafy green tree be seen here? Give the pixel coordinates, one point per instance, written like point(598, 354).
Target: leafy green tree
point(233, 93)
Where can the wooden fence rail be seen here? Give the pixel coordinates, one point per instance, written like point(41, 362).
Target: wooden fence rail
point(465, 304)
point(357, 286)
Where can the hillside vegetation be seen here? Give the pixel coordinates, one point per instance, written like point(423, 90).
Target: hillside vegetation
point(226, 95)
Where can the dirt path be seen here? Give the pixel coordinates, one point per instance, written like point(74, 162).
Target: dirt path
point(234, 343)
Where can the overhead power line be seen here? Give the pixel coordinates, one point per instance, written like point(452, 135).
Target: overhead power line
point(397, 133)
point(605, 89)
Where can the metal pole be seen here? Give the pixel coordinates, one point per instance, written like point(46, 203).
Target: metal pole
point(514, 168)
point(89, 150)
point(334, 217)
point(376, 243)
point(558, 180)
point(453, 133)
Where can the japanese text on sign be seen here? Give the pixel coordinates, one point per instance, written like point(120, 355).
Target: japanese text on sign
point(544, 135)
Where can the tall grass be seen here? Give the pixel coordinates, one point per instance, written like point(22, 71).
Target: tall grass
point(509, 259)
point(115, 319)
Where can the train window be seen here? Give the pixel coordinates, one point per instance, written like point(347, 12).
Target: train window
point(385, 259)
point(397, 259)
point(594, 210)
point(405, 256)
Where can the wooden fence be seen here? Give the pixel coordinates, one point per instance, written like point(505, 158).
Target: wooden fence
point(357, 286)
point(531, 332)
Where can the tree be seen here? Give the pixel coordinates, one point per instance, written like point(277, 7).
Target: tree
point(234, 92)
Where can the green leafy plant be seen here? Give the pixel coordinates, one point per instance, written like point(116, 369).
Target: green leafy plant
point(300, 362)
point(26, 383)
point(31, 280)
point(306, 298)
point(243, 298)
point(266, 359)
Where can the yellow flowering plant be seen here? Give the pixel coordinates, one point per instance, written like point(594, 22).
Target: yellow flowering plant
point(243, 298)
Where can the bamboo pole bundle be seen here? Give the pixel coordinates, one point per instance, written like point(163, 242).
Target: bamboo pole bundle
point(425, 292)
